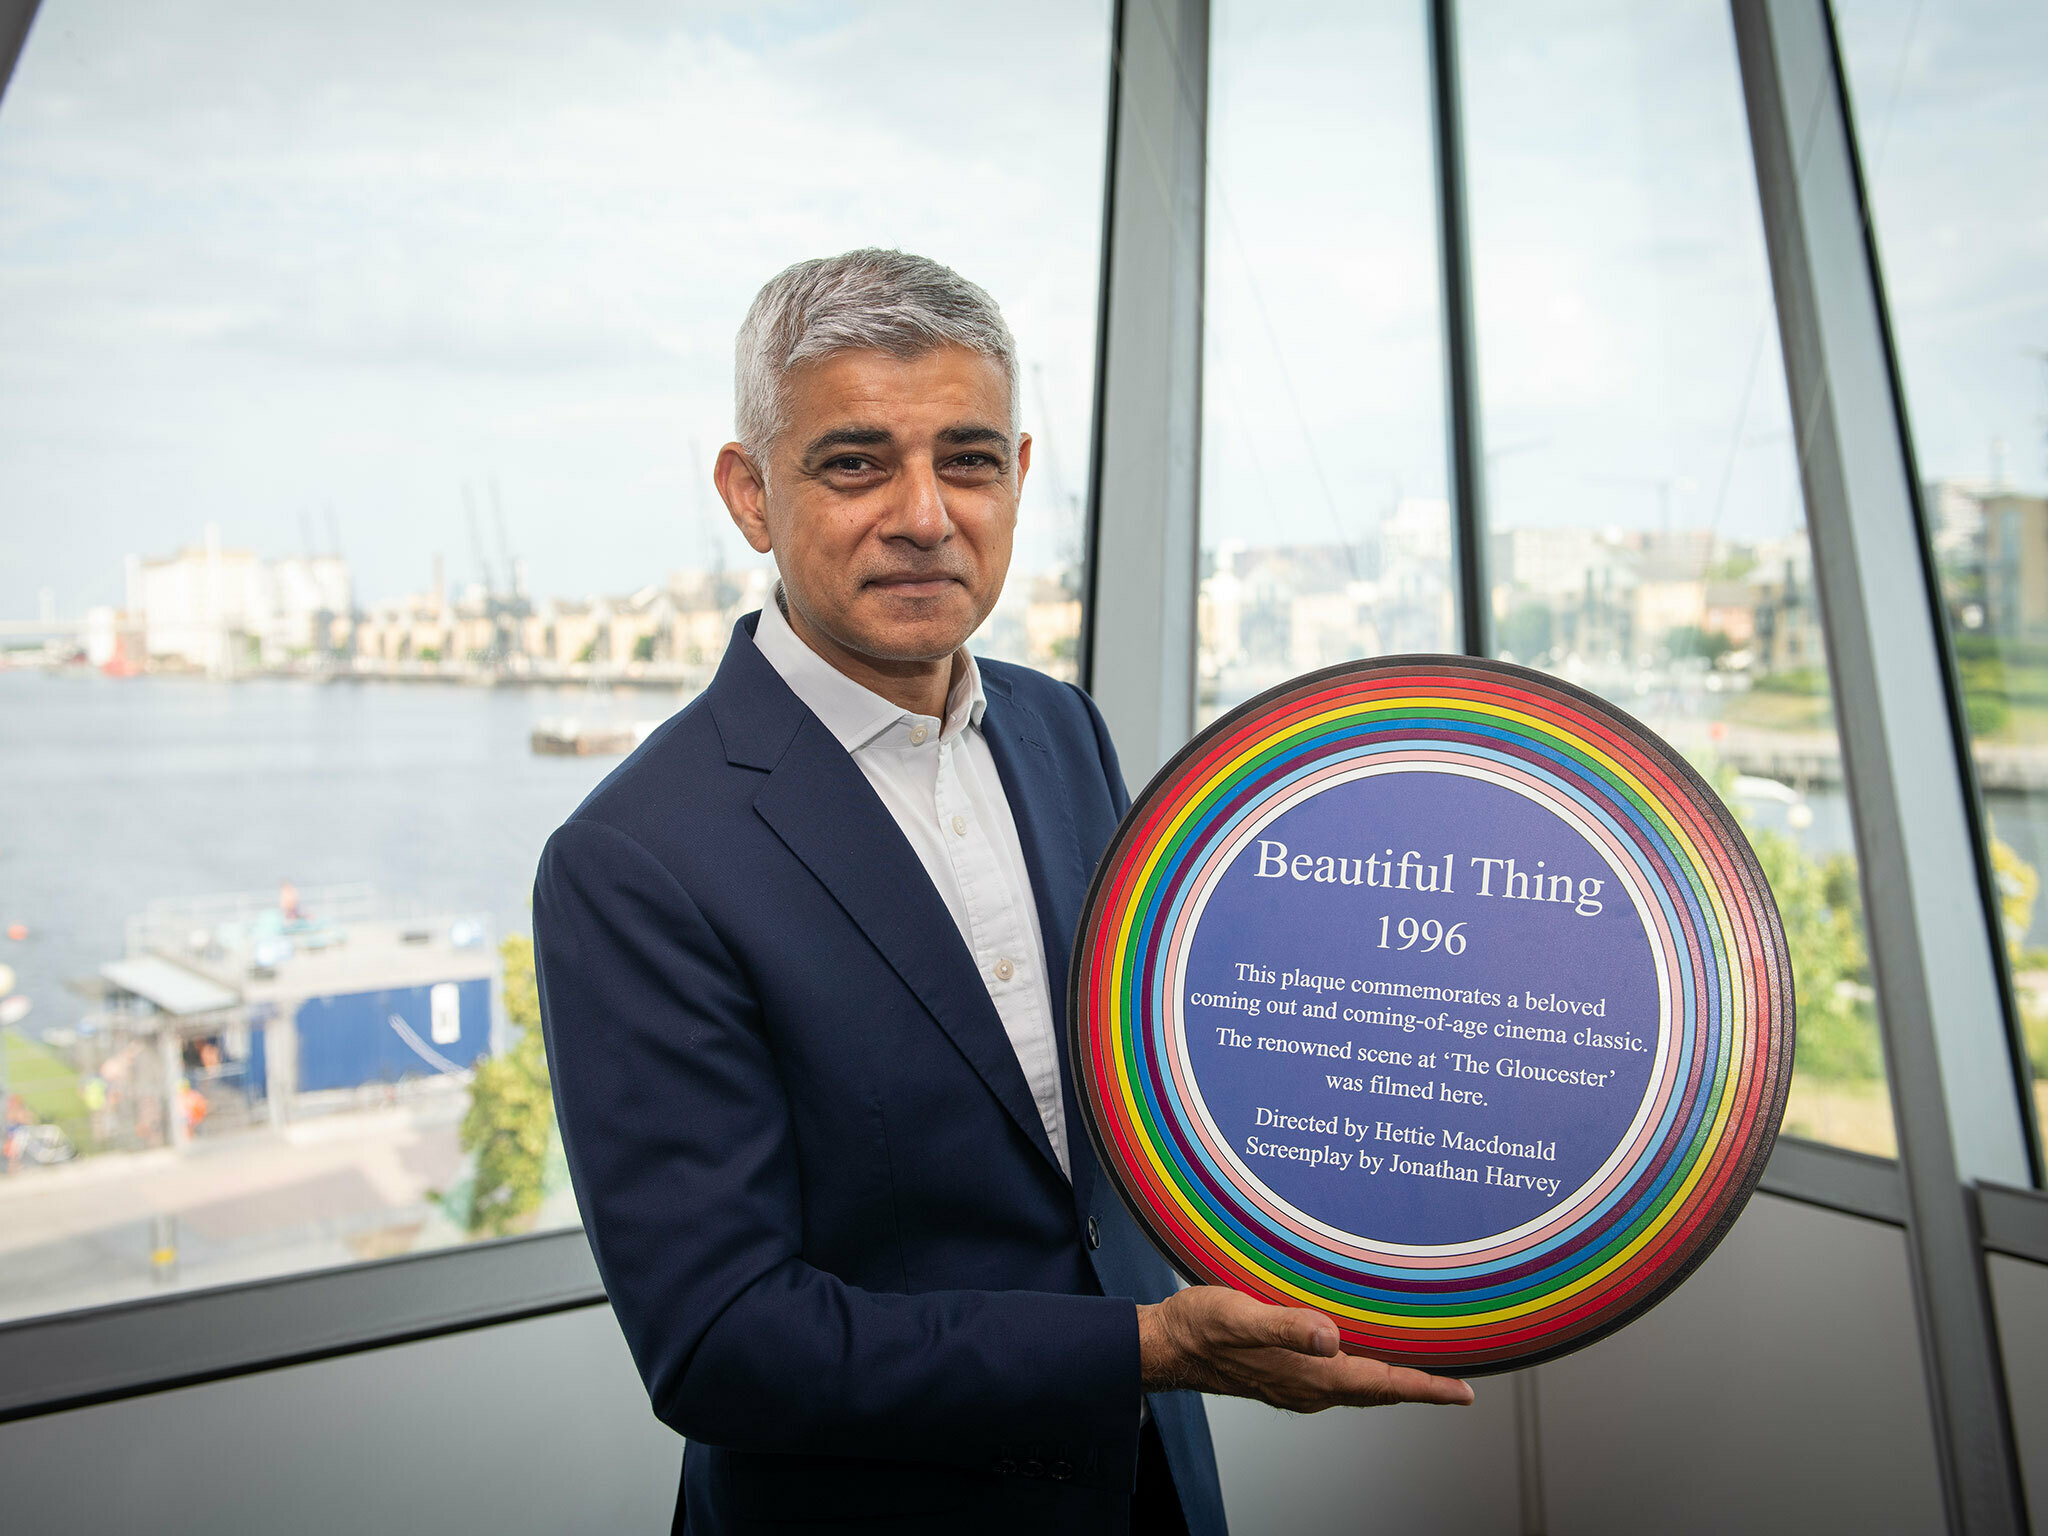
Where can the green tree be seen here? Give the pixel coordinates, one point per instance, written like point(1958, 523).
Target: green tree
point(1689, 640)
point(1808, 680)
point(511, 1115)
point(1819, 902)
point(1821, 906)
point(1988, 713)
point(2019, 883)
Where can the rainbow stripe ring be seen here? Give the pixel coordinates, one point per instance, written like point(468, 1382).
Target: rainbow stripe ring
point(1441, 996)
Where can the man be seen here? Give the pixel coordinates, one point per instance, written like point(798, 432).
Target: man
point(802, 965)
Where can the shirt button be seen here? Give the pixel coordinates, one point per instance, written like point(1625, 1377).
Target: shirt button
point(1004, 970)
point(959, 826)
point(1094, 1232)
point(917, 735)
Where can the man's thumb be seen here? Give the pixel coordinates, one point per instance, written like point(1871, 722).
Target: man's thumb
point(1305, 1332)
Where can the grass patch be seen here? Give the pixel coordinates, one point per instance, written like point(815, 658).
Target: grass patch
point(48, 1085)
point(1779, 711)
point(1856, 1114)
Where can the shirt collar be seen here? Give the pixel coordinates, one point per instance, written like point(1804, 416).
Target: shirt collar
point(857, 717)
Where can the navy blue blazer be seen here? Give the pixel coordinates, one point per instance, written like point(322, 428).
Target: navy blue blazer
point(823, 1203)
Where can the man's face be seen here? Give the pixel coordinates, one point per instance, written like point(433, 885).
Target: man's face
point(891, 500)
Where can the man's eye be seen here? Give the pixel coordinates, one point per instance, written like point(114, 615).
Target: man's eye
point(976, 461)
point(850, 465)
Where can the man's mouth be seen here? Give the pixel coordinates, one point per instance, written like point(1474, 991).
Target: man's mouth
point(913, 584)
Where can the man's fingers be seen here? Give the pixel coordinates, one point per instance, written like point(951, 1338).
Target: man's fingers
point(1257, 1325)
point(1372, 1383)
point(1411, 1386)
point(1327, 1378)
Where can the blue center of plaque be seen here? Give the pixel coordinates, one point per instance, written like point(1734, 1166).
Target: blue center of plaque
point(1421, 1008)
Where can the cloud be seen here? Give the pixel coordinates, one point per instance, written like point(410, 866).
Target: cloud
point(362, 256)
point(256, 260)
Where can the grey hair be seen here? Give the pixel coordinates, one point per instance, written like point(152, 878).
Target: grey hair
point(869, 300)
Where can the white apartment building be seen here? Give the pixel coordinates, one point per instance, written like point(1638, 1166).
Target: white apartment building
point(216, 608)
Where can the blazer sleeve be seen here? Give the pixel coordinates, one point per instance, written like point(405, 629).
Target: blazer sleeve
point(679, 1135)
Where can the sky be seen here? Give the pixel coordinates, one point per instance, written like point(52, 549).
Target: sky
point(1951, 98)
point(1628, 357)
point(1323, 379)
point(259, 263)
point(265, 265)
point(1620, 286)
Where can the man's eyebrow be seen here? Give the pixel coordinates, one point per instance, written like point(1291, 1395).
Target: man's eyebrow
point(848, 437)
point(973, 432)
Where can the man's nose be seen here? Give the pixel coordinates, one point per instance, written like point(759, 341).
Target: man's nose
point(918, 511)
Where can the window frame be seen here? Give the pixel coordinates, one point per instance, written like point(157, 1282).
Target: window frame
point(68, 1360)
point(58, 1361)
point(1975, 812)
point(1943, 1005)
point(99, 1354)
point(1955, 1201)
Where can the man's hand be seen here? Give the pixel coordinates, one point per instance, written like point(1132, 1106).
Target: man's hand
point(1212, 1339)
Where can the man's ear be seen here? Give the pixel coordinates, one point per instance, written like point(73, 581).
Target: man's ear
point(1023, 459)
point(744, 490)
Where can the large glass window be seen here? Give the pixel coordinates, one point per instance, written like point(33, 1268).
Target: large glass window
point(363, 368)
point(1326, 534)
point(1951, 108)
point(1646, 532)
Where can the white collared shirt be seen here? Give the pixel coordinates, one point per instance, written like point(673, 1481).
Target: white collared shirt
point(939, 782)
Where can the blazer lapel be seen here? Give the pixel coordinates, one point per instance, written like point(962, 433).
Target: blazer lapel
point(1042, 809)
point(828, 815)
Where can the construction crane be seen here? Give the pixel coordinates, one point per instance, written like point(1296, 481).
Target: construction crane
point(476, 541)
point(507, 564)
point(495, 655)
point(511, 608)
point(1067, 549)
point(1665, 486)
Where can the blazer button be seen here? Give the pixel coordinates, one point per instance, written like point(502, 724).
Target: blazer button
point(1006, 1466)
point(1094, 1232)
point(1033, 1469)
point(1060, 1471)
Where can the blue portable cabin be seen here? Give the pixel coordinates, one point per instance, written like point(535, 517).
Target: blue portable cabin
point(350, 1039)
point(337, 994)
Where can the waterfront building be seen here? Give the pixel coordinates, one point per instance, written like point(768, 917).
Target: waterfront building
point(200, 605)
point(2015, 564)
point(219, 610)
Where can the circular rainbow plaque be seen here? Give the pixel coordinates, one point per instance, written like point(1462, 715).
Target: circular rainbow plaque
point(1441, 996)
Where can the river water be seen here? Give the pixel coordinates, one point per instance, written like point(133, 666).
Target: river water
point(114, 793)
point(2019, 819)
